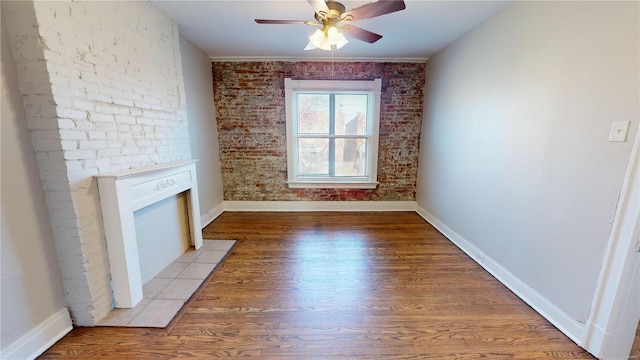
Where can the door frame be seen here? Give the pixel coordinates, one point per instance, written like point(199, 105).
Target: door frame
point(615, 310)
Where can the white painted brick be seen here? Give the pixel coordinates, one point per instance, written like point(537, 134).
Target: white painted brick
point(81, 84)
point(92, 144)
point(90, 77)
point(41, 89)
point(58, 196)
point(125, 119)
point(40, 110)
point(109, 152)
point(46, 145)
point(123, 101)
point(98, 117)
point(69, 145)
point(73, 135)
point(72, 114)
point(80, 154)
point(106, 127)
point(131, 151)
point(42, 123)
point(83, 105)
point(84, 125)
point(59, 80)
point(97, 135)
point(74, 165)
point(141, 104)
point(124, 135)
point(109, 91)
point(115, 110)
point(54, 183)
point(133, 95)
point(45, 135)
point(98, 162)
point(82, 175)
point(62, 101)
point(66, 124)
point(64, 70)
point(141, 158)
point(96, 96)
point(143, 143)
point(55, 155)
point(123, 159)
point(145, 121)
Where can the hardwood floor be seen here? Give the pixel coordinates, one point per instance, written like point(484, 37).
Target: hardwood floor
point(635, 348)
point(338, 286)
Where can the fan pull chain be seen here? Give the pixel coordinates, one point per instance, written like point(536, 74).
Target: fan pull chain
point(332, 63)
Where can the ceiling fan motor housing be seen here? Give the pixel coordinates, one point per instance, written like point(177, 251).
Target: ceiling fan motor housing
point(335, 10)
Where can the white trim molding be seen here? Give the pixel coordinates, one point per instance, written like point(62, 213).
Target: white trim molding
point(317, 59)
point(340, 185)
point(212, 214)
point(569, 326)
point(615, 310)
point(40, 338)
point(319, 206)
point(297, 177)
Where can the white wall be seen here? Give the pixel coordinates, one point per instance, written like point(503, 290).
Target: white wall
point(31, 286)
point(514, 156)
point(103, 88)
point(203, 131)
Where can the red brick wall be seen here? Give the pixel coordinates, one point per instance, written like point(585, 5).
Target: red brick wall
point(250, 111)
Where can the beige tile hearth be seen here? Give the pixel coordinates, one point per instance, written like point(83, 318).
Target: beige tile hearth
point(165, 294)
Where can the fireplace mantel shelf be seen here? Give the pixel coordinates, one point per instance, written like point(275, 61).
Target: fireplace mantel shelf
point(147, 169)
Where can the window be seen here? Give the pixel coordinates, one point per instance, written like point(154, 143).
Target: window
point(332, 133)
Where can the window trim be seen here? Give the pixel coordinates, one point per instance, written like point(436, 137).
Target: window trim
point(370, 180)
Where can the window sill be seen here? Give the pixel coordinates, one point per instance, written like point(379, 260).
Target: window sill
point(331, 185)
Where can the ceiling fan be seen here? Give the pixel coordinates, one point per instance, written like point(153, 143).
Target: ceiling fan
point(336, 22)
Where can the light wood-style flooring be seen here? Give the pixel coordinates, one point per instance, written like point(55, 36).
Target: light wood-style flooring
point(338, 286)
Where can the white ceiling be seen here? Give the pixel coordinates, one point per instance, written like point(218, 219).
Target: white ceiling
point(227, 30)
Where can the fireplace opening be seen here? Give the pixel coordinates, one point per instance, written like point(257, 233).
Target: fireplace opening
point(162, 233)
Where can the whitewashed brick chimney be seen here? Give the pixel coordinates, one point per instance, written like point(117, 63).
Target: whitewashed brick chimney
point(103, 91)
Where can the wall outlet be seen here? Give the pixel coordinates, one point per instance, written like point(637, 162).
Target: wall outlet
point(619, 130)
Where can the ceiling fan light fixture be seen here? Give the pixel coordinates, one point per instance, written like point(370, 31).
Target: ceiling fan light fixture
point(336, 38)
point(324, 39)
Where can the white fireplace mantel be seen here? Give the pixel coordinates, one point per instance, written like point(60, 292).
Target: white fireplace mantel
point(124, 192)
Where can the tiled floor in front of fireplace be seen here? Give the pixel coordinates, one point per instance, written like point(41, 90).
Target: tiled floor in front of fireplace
point(166, 293)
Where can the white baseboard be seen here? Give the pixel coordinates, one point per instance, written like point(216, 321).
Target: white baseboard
point(569, 326)
point(319, 206)
point(40, 338)
point(212, 214)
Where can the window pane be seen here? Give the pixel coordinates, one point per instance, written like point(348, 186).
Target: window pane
point(313, 156)
point(350, 157)
point(351, 114)
point(313, 113)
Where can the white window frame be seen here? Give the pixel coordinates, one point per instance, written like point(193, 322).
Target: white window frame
point(370, 180)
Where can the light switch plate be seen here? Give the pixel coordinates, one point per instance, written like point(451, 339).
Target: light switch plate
point(619, 130)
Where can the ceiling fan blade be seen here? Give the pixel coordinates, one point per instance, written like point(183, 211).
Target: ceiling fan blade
point(319, 6)
point(381, 7)
point(360, 34)
point(304, 22)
